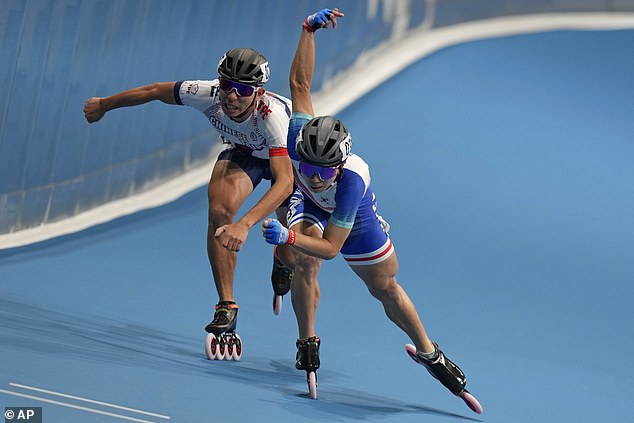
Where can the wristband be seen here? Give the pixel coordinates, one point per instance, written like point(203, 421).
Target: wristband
point(307, 26)
point(291, 237)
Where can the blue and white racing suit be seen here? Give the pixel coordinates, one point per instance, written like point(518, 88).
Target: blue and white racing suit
point(349, 203)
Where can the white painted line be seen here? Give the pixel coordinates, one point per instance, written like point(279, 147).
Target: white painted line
point(63, 404)
point(147, 413)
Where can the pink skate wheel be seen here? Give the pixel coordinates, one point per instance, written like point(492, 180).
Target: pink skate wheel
point(312, 385)
point(228, 348)
point(236, 351)
point(471, 402)
point(411, 350)
point(222, 347)
point(211, 346)
point(277, 304)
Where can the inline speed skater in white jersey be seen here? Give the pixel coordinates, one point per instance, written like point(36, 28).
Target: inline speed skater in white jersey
point(334, 211)
point(254, 125)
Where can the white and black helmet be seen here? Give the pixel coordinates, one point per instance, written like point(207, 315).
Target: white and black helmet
point(244, 65)
point(324, 141)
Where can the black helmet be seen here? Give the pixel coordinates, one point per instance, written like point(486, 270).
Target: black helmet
point(244, 65)
point(324, 141)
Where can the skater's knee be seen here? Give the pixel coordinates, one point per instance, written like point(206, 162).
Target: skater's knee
point(382, 289)
point(220, 214)
point(307, 265)
point(286, 256)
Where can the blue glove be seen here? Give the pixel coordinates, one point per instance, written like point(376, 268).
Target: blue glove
point(317, 20)
point(275, 233)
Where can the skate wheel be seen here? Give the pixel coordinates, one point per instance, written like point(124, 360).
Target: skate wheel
point(235, 346)
point(411, 351)
point(226, 350)
point(277, 304)
point(470, 400)
point(211, 346)
point(222, 347)
point(312, 384)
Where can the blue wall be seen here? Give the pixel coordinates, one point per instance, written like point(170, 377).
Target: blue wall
point(57, 53)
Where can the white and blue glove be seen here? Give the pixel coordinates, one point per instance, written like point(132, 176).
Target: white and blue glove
point(318, 20)
point(276, 234)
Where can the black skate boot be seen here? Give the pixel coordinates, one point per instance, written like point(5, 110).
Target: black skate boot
point(308, 359)
point(225, 318)
point(281, 277)
point(447, 373)
point(444, 370)
point(222, 341)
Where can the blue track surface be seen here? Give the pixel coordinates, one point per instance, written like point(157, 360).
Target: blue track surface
point(505, 169)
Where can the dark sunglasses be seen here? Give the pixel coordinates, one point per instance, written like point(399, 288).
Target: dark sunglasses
point(243, 90)
point(324, 173)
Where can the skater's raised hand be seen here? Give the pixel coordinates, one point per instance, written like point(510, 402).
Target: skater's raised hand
point(276, 234)
point(322, 19)
point(93, 110)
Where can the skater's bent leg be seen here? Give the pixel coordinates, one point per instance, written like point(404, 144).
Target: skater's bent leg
point(228, 188)
point(305, 292)
point(380, 279)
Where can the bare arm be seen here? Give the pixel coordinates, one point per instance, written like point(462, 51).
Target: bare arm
point(325, 248)
point(301, 74)
point(234, 235)
point(282, 171)
point(96, 107)
point(303, 66)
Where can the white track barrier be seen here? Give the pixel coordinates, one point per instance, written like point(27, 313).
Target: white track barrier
point(377, 65)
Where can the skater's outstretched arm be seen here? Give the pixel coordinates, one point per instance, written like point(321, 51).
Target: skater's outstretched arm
point(303, 64)
point(96, 107)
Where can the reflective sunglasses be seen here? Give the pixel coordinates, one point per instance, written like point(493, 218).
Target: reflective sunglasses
point(243, 90)
point(324, 173)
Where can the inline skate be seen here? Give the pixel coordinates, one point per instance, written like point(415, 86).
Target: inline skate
point(222, 342)
point(447, 373)
point(281, 277)
point(307, 359)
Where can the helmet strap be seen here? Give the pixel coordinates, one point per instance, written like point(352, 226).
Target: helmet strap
point(340, 171)
point(338, 177)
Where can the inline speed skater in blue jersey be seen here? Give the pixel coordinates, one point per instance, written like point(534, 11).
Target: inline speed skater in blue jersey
point(334, 211)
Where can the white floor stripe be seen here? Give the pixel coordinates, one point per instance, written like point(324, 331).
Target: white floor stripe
point(77, 407)
point(59, 394)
